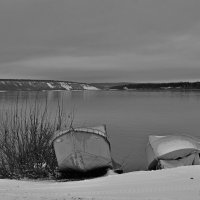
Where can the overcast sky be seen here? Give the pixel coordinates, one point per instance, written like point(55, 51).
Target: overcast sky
point(100, 40)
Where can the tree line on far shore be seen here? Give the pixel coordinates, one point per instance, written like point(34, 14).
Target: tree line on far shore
point(159, 86)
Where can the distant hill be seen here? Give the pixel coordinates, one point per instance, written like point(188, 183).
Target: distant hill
point(37, 85)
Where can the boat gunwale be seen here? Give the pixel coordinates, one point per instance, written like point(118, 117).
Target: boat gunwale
point(76, 130)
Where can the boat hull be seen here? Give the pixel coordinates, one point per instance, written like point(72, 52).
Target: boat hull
point(82, 150)
point(83, 162)
point(171, 148)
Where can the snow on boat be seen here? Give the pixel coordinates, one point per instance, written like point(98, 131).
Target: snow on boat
point(172, 151)
point(82, 149)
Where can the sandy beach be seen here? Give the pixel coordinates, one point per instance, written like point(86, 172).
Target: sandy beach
point(182, 183)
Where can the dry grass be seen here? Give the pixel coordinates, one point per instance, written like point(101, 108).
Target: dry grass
point(25, 133)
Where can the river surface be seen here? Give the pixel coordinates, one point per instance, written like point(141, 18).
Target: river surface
point(130, 116)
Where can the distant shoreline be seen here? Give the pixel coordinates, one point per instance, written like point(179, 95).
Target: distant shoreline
point(53, 85)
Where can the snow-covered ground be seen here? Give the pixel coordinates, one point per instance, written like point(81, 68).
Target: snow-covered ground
point(50, 85)
point(65, 85)
point(89, 87)
point(182, 183)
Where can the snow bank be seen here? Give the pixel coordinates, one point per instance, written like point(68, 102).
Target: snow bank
point(182, 183)
point(65, 85)
point(89, 87)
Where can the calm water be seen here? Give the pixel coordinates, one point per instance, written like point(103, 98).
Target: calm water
point(130, 116)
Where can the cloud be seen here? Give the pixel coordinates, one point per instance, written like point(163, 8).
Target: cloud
point(119, 67)
point(40, 37)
